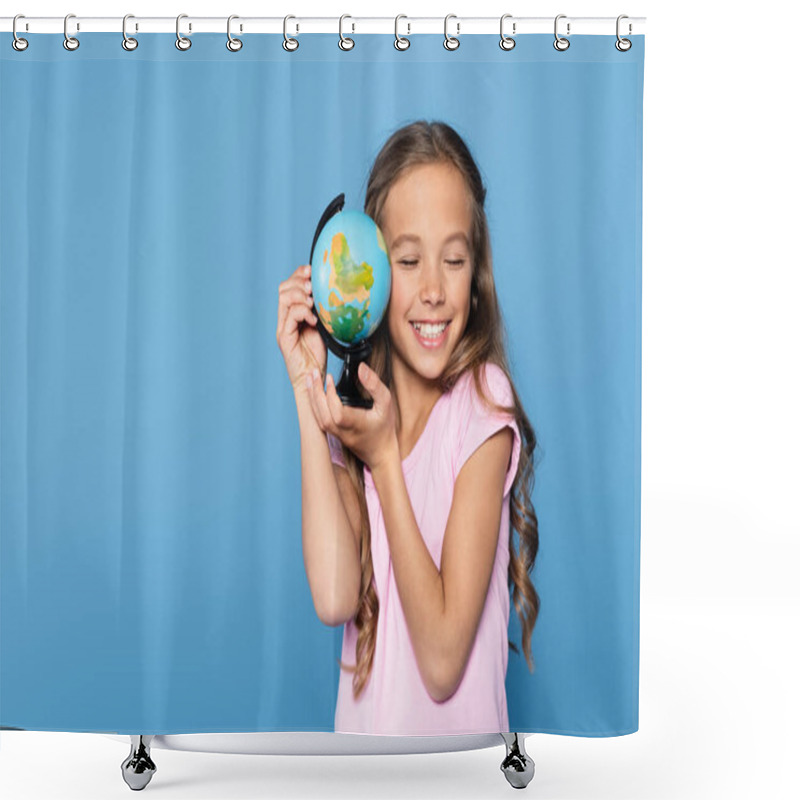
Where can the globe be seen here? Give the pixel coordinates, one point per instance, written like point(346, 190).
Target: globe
point(350, 276)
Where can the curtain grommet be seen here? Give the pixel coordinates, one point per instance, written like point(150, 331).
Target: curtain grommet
point(128, 42)
point(451, 42)
point(70, 42)
point(623, 45)
point(289, 43)
point(233, 44)
point(561, 43)
point(181, 42)
point(18, 43)
point(507, 42)
point(345, 42)
point(400, 42)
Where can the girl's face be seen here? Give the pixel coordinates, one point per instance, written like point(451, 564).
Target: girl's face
point(426, 224)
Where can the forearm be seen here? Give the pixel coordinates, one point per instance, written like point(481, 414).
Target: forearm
point(419, 582)
point(332, 560)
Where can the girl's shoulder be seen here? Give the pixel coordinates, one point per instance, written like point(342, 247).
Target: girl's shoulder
point(494, 381)
point(474, 421)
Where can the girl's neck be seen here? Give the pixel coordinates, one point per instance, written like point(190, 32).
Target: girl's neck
point(414, 397)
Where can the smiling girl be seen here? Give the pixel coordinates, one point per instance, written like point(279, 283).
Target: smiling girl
point(409, 507)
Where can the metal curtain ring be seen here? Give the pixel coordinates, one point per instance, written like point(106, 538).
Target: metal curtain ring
point(289, 43)
point(451, 42)
point(70, 42)
point(233, 44)
point(181, 42)
point(400, 42)
point(345, 42)
point(128, 42)
point(623, 45)
point(18, 43)
point(561, 43)
point(506, 42)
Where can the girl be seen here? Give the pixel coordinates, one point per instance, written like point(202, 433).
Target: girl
point(408, 507)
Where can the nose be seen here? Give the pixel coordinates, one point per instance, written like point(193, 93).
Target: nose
point(432, 290)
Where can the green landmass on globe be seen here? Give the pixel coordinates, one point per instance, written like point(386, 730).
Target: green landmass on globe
point(347, 308)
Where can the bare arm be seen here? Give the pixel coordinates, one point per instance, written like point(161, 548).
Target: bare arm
point(443, 606)
point(331, 527)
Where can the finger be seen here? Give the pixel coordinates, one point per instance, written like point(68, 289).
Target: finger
point(297, 295)
point(375, 387)
point(297, 313)
point(324, 407)
point(334, 401)
point(322, 395)
point(297, 292)
point(369, 379)
point(295, 281)
point(296, 289)
point(342, 417)
point(289, 293)
point(302, 272)
point(299, 282)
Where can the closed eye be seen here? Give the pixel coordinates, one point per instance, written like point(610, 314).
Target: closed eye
point(410, 263)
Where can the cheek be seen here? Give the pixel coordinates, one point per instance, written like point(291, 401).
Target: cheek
point(400, 300)
point(464, 293)
point(400, 284)
point(395, 313)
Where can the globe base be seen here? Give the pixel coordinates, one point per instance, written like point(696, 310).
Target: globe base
point(357, 402)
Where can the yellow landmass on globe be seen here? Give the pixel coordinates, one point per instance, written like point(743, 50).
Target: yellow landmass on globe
point(346, 275)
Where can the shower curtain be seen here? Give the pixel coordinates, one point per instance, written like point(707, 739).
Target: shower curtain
point(153, 201)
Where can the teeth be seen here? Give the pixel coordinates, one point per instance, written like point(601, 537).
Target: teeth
point(430, 331)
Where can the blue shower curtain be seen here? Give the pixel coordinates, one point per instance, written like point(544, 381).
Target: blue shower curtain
point(151, 202)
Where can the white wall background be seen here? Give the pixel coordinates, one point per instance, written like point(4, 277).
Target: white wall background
point(720, 439)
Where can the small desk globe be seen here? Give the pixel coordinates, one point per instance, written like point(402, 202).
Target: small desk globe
point(350, 281)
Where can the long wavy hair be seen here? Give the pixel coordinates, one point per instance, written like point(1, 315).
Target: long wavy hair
point(483, 340)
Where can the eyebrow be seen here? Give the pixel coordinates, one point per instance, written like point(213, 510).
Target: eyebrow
point(414, 238)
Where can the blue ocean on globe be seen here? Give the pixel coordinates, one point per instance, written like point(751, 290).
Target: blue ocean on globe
point(351, 276)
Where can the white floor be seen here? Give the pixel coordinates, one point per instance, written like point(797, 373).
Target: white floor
point(719, 702)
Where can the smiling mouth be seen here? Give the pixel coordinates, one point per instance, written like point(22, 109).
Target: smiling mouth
point(430, 335)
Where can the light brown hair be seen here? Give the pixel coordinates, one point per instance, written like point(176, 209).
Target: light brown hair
point(483, 340)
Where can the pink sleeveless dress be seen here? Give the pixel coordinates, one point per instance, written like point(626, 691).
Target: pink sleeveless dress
point(395, 700)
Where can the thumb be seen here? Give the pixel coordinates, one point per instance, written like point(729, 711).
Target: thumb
point(372, 382)
point(369, 378)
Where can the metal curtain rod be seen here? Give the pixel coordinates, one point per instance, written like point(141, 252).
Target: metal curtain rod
point(407, 25)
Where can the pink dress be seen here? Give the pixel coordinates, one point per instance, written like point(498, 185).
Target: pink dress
point(395, 700)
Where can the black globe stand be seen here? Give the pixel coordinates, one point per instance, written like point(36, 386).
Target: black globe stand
point(349, 383)
point(349, 388)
